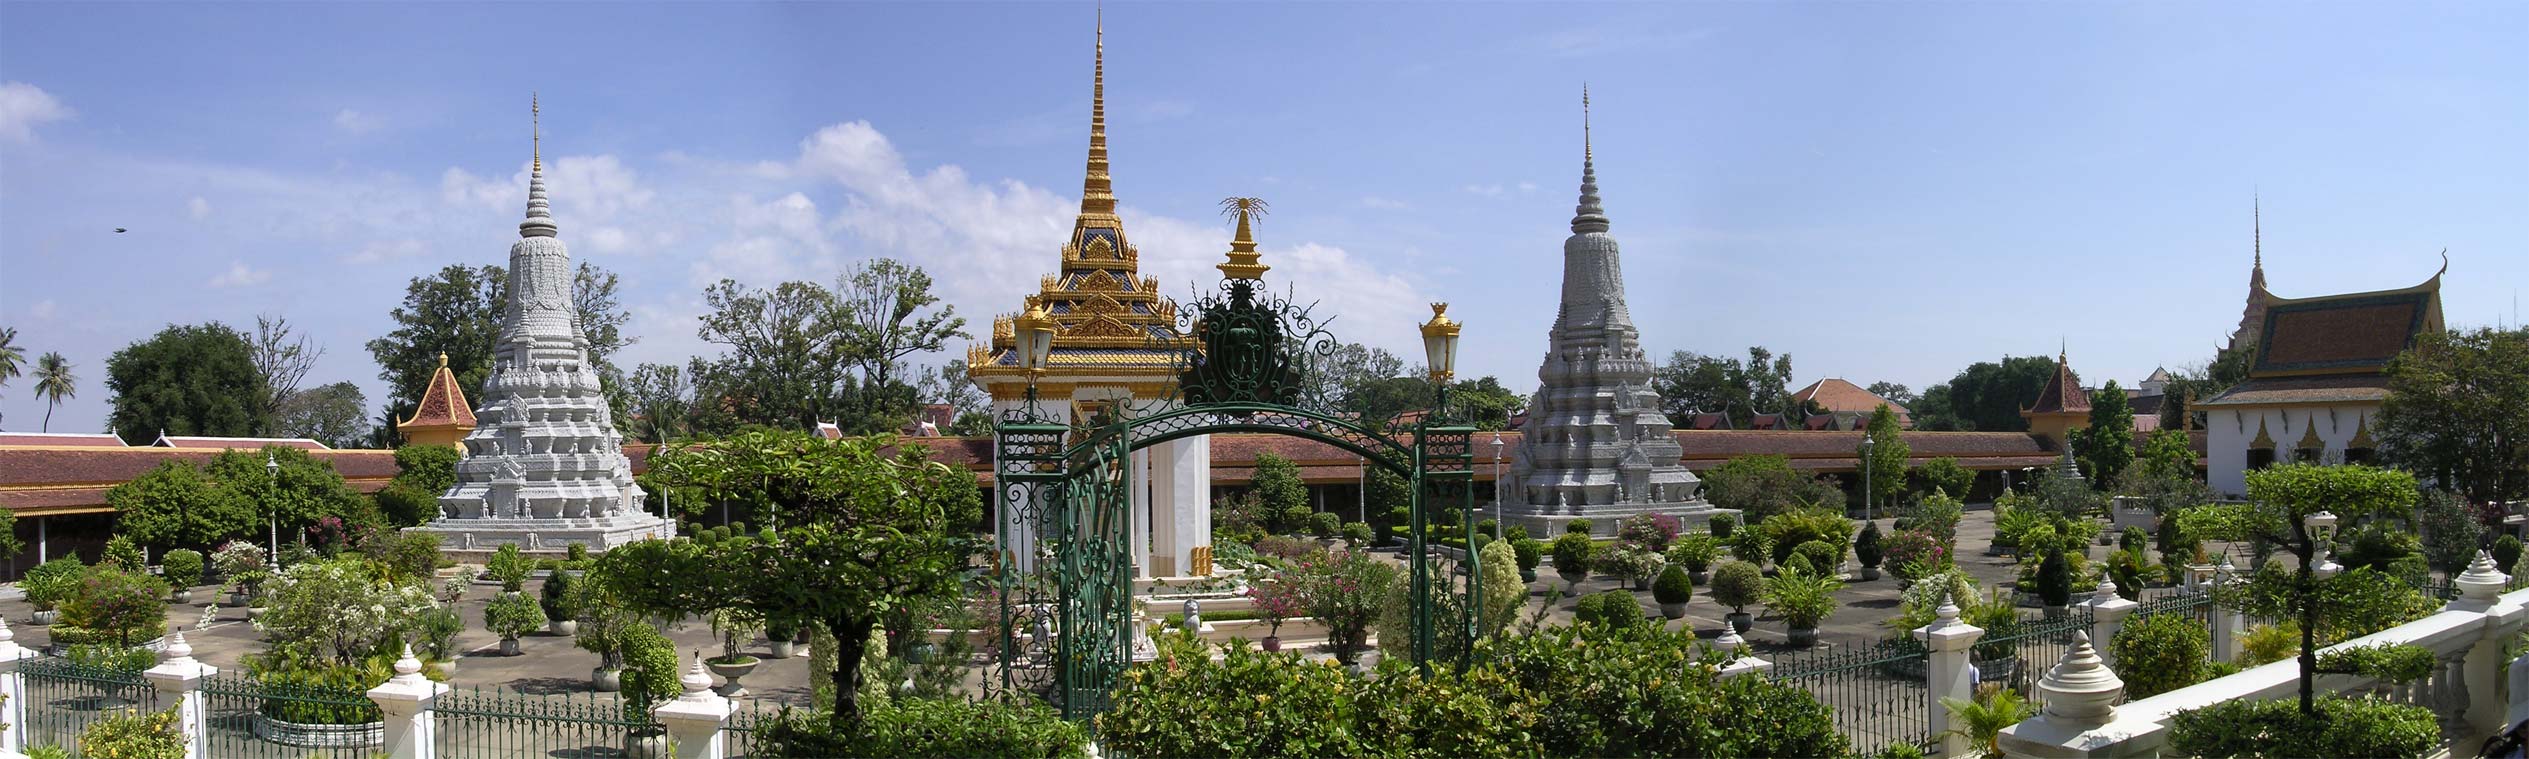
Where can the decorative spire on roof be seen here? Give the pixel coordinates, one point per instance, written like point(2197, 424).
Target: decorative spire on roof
point(539, 221)
point(1097, 191)
point(2257, 217)
point(1243, 258)
point(2062, 394)
point(1588, 217)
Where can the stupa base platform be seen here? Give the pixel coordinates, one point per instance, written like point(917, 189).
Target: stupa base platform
point(1547, 522)
point(555, 535)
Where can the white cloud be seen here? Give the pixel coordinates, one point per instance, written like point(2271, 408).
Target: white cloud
point(1527, 187)
point(23, 106)
point(1384, 204)
point(43, 310)
point(600, 202)
point(239, 275)
point(197, 208)
point(1487, 190)
point(356, 122)
point(388, 250)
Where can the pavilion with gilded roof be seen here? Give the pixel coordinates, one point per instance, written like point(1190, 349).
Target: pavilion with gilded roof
point(1115, 342)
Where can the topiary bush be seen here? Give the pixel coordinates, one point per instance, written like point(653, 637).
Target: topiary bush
point(182, 567)
point(2133, 539)
point(1325, 524)
point(1673, 586)
point(1572, 552)
point(1529, 553)
point(650, 672)
point(1866, 547)
point(1576, 527)
point(561, 599)
point(1358, 535)
point(905, 728)
point(2252, 729)
point(1611, 608)
point(1736, 584)
point(1722, 525)
point(2161, 653)
point(513, 614)
point(2506, 552)
point(1824, 557)
point(2054, 579)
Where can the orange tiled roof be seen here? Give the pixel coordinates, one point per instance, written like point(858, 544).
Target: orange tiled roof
point(1839, 395)
point(2061, 395)
point(442, 405)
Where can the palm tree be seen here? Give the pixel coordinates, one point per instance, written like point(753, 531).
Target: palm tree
point(1981, 721)
point(53, 382)
point(10, 355)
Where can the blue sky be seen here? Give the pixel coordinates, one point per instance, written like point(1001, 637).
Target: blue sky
point(1886, 191)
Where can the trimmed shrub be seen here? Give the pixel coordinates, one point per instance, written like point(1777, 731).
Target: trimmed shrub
point(1866, 546)
point(1612, 608)
point(510, 567)
point(513, 614)
point(2133, 539)
point(2054, 580)
point(1824, 557)
point(2506, 552)
point(1673, 586)
point(1572, 551)
point(1576, 527)
point(928, 727)
point(2161, 653)
point(182, 567)
point(1736, 584)
point(2251, 729)
point(1325, 524)
point(1722, 525)
point(561, 596)
point(1529, 553)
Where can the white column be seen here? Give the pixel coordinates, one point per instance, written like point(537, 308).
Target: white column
point(2080, 694)
point(1743, 660)
point(1190, 499)
point(408, 699)
point(2481, 671)
point(1945, 670)
point(694, 720)
point(1164, 561)
point(1138, 478)
point(178, 678)
point(2226, 622)
point(12, 688)
point(2107, 615)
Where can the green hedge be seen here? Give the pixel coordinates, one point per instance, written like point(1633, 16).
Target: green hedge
point(921, 727)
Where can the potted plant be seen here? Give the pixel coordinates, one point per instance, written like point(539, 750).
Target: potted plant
point(49, 584)
point(1631, 564)
point(1736, 584)
point(1571, 557)
point(649, 679)
point(1528, 552)
point(1912, 555)
point(1981, 721)
point(1802, 599)
point(734, 627)
point(1824, 558)
point(1867, 549)
point(778, 640)
point(183, 569)
point(1357, 536)
point(1274, 601)
point(435, 637)
point(561, 603)
point(1325, 525)
point(509, 567)
point(2054, 583)
point(1695, 552)
point(1722, 525)
point(1672, 590)
point(241, 565)
point(511, 615)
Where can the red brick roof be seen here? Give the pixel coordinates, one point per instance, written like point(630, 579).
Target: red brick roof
point(69, 480)
point(196, 442)
point(2061, 395)
point(1839, 395)
point(2345, 334)
point(69, 439)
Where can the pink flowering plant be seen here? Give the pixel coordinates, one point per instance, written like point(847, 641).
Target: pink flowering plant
point(1344, 591)
point(1916, 554)
point(1653, 532)
point(1275, 601)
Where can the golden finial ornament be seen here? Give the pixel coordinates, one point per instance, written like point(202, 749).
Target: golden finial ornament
point(1243, 258)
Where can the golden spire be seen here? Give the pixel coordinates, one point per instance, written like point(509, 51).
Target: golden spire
point(1097, 191)
point(1243, 258)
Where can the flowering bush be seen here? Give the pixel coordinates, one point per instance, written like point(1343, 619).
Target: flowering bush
point(240, 562)
point(1631, 563)
point(1651, 531)
point(114, 605)
point(135, 735)
point(1342, 590)
point(1916, 554)
point(337, 610)
point(1275, 601)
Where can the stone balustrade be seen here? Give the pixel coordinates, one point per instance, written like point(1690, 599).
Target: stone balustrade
point(2466, 690)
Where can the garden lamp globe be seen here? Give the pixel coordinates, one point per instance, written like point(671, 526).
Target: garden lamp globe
point(272, 509)
point(1036, 339)
point(1440, 343)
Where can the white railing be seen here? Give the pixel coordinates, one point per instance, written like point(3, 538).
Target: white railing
point(2464, 689)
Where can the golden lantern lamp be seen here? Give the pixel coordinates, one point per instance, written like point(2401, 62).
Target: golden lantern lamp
point(1440, 344)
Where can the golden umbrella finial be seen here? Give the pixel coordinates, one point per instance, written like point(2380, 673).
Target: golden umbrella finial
point(1243, 258)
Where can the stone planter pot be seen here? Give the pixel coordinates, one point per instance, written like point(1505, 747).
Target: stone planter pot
point(448, 667)
point(1804, 636)
point(46, 618)
point(1997, 549)
point(320, 736)
point(605, 680)
point(1273, 643)
point(1740, 621)
point(509, 647)
point(562, 627)
point(182, 597)
point(1673, 610)
point(1571, 578)
point(1997, 670)
point(646, 744)
point(732, 671)
point(1870, 573)
point(1641, 583)
point(1528, 574)
point(1700, 577)
point(236, 599)
point(782, 649)
point(801, 638)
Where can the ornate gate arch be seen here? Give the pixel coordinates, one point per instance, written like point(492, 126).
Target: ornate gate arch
point(1066, 627)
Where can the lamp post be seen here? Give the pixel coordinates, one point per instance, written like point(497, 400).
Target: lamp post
point(1498, 527)
point(272, 505)
point(2322, 528)
point(1035, 333)
point(1869, 488)
point(1440, 353)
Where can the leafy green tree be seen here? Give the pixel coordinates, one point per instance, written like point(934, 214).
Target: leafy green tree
point(187, 380)
point(423, 472)
point(2166, 456)
point(1762, 486)
point(1943, 475)
point(301, 491)
point(783, 353)
point(1348, 367)
point(2188, 385)
point(1985, 396)
point(2458, 411)
point(2106, 447)
point(1887, 455)
point(336, 415)
point(1742, 389)
point(176, 505)
point(1892, 392)
point(53, 382)
point(283, 356)
point(862, 532)
point(2280, 498)
point(889, 318)
point(1277, 483)
point(661, 404)
point(1386, 492)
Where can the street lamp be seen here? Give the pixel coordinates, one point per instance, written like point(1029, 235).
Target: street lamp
point(1440, 353)
point(1498, 527)
point(272, 505)
point(1035, 333)
point(1869, 488)
point(2321, 527)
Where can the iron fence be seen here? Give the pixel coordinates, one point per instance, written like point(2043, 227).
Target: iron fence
point(2192, 603)
point(738, 734)
point(64, 697)
point(475, 723)
point(2018, 657)
point(1875, 691)
point(259, 720)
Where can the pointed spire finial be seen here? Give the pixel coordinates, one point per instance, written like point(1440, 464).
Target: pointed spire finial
point(1589, 216)
point(1243, 258)
point(1097, 191)
point(539, 221)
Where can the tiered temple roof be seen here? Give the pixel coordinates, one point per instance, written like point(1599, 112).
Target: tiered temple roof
point(2335, 348)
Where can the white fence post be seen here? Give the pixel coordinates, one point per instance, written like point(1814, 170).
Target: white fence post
point(408, 700)
point(2080, 694)
point(1742, 660)
point(694, 720)
point(179, 675)
point(1945, 670)
point(13, 689)
point(2107, 615)
point(2481, 672)
point(2226, 622)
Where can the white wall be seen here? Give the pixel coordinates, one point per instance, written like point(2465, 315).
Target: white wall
point(2230, 430)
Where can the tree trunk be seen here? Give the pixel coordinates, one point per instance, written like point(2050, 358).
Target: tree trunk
point(851, 641)
point(2309, 622)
